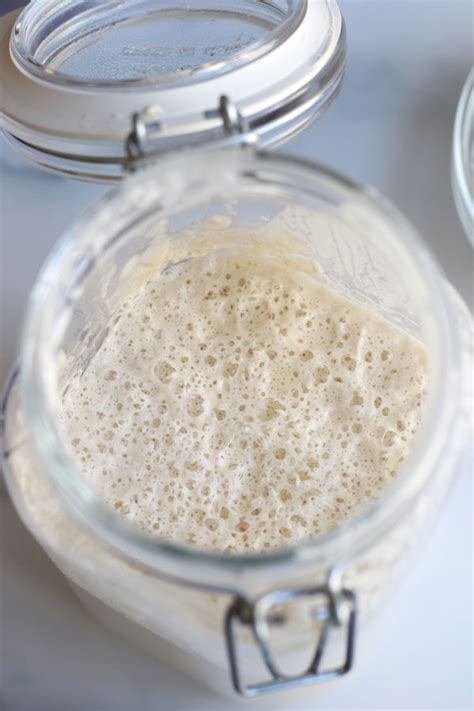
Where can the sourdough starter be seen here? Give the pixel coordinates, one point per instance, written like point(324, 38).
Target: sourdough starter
point(238, 404)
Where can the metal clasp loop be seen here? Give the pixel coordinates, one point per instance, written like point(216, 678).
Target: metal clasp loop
point(137, 139)
point(233, 120)
point(336, 607)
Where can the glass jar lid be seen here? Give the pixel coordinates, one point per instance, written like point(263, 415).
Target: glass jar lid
point(463, 157)
point(76, 72)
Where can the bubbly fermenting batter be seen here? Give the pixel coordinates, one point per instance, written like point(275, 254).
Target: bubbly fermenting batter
point(239, 404)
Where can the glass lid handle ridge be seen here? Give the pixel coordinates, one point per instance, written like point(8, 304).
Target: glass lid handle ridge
point(336, 607)
point(147, 126)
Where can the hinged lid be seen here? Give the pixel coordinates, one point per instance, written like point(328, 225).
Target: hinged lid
point(75, 72)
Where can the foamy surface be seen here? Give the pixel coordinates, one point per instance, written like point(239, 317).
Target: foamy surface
point(238, 404)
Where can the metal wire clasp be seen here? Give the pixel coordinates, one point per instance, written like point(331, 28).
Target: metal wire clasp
point(147, 125)
point(142, 123)
point(234, 121)
point(336, 607)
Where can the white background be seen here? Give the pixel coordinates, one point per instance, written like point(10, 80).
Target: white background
point(391, 127)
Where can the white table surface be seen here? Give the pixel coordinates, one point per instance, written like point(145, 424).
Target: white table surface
point(391, 126)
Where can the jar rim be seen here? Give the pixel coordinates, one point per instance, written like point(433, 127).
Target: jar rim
point(45, 31)
point(167, 558)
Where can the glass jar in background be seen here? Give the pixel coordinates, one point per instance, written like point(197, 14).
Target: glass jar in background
point(462, 167)
point(253, 622)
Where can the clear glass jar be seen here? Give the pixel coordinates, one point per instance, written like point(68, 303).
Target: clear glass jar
point(259, 616)
point(462, 167)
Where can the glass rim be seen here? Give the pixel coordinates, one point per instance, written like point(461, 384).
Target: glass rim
point(28, 33)
point(160, 555)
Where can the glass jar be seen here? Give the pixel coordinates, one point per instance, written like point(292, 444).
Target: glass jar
point(462, 167)
point(261, 615)
point(251, 623)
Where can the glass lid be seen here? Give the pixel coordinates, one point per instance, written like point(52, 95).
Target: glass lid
point(88, 83)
